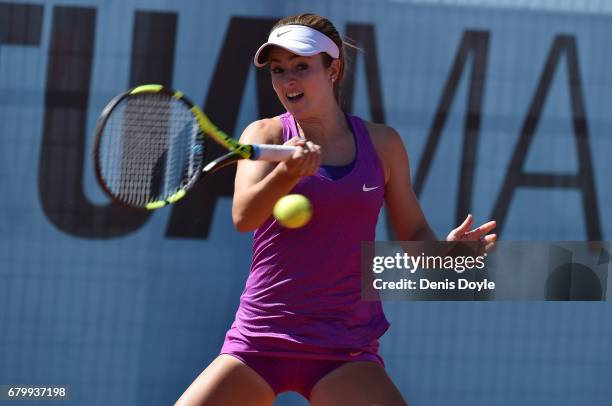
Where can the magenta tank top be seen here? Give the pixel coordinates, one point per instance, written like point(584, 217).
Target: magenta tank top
point(305, 284)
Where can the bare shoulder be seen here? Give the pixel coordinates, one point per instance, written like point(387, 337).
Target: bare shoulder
point(383, 136)
point(264, 131)
point(387, 143)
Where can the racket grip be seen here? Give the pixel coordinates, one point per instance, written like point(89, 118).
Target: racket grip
point(272, 153)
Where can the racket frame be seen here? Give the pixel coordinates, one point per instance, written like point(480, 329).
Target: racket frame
point(237, 150)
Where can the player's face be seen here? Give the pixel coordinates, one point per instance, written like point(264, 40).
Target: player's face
point(302, 83)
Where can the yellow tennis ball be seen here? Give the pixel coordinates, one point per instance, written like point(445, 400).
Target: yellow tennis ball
point(293, 211)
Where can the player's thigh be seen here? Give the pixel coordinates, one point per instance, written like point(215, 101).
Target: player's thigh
point(357, 383)
point(227, 381)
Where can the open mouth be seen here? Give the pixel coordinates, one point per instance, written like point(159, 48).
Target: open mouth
point(295, 96)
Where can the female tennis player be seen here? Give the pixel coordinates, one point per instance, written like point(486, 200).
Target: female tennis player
point(301, 324)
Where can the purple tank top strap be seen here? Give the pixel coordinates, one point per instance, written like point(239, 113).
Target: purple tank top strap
point(364, 144)
point(367, 155)
point(289, 127)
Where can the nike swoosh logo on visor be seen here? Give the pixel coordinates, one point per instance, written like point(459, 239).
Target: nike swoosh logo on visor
point(278, 34)
point(367, 189)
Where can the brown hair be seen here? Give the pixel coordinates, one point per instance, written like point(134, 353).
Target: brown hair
point(324, 26)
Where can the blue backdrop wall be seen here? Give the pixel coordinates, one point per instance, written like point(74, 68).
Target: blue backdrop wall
point(506, 111)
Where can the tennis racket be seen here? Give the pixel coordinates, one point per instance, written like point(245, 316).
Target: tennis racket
point(150, 147)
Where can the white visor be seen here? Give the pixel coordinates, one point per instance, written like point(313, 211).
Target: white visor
point(300, 40)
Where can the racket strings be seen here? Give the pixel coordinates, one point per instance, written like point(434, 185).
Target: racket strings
point(151, 148)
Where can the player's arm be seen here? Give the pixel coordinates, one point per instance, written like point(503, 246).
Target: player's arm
point(402, 204)
point(259, 185)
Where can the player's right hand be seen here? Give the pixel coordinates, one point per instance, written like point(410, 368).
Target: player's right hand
point(305, 161)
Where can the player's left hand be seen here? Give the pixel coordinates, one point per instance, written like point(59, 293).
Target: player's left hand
point(480, 234)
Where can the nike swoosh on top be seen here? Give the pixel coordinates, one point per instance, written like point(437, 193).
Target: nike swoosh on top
point(367, 189)
point(278, 34)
